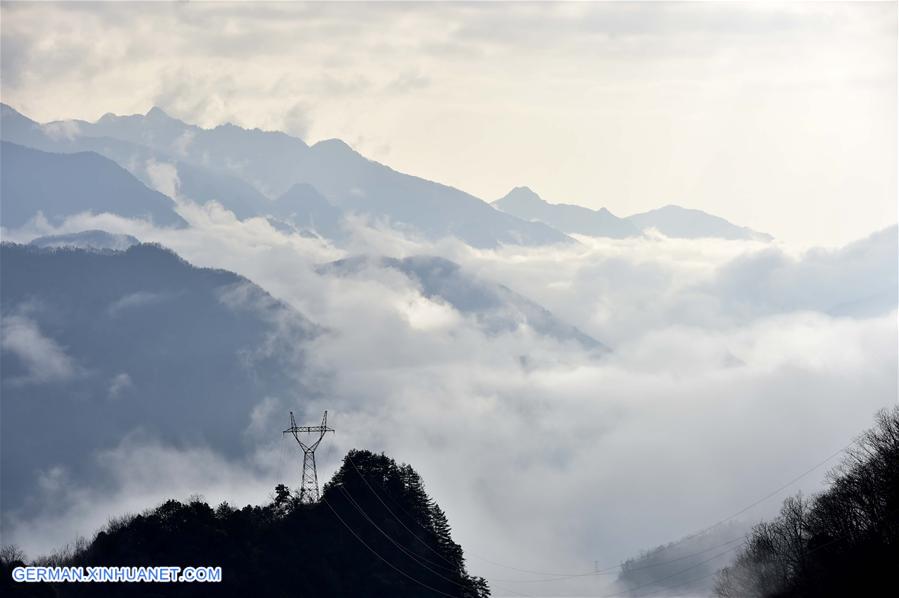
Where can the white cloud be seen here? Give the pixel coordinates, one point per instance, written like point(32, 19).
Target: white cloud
point(135, 469)
point(183, 141)
point(164, 178)
point(44, 360)
point(736, 365)
point(713, 395)
point(62, 130)
point(297, 120)
point(135, 301)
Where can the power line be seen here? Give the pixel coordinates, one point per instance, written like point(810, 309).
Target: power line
point(774, 492)
point(428, 546)
point(377, 554)
point(560, 576)
point(612, 570)
point(512, 580)
point(414, 558)
point(686, 582)
point(455, 567)
point(402, 548)
point(675, 574)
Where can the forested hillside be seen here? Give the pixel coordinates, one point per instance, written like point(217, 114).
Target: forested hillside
point(375, 532)
point(842, 542)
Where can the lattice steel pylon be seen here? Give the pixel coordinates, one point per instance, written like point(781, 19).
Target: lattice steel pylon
point(309, 486)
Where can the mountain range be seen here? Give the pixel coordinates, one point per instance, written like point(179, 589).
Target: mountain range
point(568, 218)
point(311, 188)
point(683, 223)
point(672, 221)
point(247, 171)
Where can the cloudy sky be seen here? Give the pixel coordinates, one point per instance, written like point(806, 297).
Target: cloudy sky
point(781, 117)
point(736, 366)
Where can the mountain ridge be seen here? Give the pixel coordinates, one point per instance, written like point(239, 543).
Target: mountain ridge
point(246, 170)
point(568, 218)
point(273, 162)
point(688, 223)
point(63, 185)
point(495, 307)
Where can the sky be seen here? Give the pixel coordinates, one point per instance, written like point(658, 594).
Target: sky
point(777, 116)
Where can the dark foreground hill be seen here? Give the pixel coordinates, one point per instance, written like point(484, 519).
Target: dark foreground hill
point(374, 533)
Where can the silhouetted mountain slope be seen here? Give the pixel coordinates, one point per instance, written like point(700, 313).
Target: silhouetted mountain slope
point(305, 208)
point(97, 344)
point(684, 223)
point(273, 162)
point(375, 533)
point(194, 182)
point(88, 239)
point(61, 185)
point(496, 307)
point(572, 219)
point(265, 159)
point(412, 203)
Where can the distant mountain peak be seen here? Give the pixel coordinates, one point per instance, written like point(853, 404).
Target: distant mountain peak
point(158, 113)
point(525, 203)
point(333, 145)
point(522, 193)
point(335, 142)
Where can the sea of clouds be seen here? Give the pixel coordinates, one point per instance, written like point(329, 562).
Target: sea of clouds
point(735, 366)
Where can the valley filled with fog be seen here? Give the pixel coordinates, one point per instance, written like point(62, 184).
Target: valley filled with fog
point(570, 399)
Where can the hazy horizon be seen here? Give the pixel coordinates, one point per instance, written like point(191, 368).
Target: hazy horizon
point(779, 116)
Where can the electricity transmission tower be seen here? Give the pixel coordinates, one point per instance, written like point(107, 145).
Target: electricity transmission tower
point(309, 486)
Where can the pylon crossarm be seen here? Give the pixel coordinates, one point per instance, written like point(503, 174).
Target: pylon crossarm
point(309, 429)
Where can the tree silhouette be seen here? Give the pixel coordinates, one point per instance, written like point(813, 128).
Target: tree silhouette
point(375, 533)
point(843, 542)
